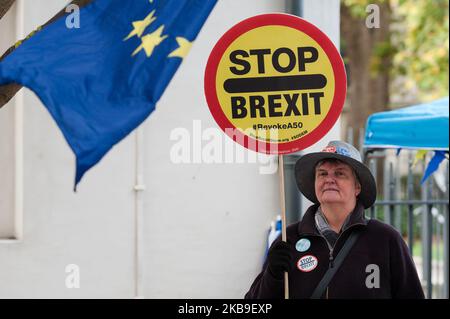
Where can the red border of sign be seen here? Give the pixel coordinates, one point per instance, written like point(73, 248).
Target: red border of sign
point(303, 26)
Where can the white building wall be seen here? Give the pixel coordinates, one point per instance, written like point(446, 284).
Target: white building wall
point(7, 149)
point(203, 225)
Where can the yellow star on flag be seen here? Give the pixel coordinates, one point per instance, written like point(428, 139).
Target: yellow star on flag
point(141, 25)
point(183, 48)
point(420, 155)
point(150, 41)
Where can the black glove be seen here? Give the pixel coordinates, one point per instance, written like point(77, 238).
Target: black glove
point(279, 259)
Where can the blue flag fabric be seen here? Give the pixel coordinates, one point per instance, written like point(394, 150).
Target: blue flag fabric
point(102, 80)
point(433, 165)
point(273, 233)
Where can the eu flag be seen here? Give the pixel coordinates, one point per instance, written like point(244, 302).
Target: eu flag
point(102, 80)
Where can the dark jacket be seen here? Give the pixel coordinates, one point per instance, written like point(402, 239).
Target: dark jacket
point(378, 244)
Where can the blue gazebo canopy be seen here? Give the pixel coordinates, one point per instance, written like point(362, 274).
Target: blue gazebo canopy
point(423, 126)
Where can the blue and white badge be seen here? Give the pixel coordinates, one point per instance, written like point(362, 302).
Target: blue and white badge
point(303, 245)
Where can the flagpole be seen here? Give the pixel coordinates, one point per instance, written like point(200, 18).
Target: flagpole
point(18, 139)
point(139, 188)
point(283, 218)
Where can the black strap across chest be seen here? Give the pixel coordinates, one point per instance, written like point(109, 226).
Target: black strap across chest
point(323, 284)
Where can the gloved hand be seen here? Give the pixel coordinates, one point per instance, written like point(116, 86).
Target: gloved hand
point(280, 259)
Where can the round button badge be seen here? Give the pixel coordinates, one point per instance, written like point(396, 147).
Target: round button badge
point(303, 245)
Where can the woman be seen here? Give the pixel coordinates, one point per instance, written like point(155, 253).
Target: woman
point(375, 262)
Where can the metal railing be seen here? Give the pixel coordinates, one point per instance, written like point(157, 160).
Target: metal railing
point(420, 212)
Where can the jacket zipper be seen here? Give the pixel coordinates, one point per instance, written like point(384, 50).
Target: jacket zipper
point(331, 264)
point(331, 257)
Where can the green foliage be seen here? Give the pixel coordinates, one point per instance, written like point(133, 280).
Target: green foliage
point(382, 50)
point(423, 45)
point(418, 46)
point(358, 7)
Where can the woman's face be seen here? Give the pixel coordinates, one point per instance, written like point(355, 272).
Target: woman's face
point(336, 183)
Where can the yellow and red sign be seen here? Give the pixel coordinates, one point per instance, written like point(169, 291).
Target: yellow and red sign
point(275, 83)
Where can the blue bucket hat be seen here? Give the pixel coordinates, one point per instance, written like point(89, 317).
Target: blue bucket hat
point(306, 165)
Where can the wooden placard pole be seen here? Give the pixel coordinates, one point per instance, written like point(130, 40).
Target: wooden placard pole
point(283, 218)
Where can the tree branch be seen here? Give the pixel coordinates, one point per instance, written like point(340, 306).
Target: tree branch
point(4, 6)
point(8, 91)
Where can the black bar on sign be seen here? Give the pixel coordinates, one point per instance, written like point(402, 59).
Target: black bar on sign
point(275, 83)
